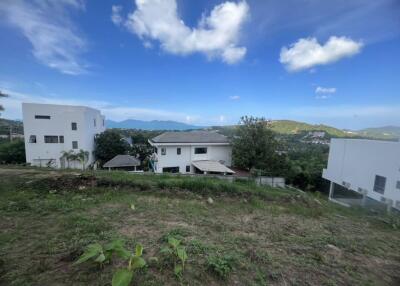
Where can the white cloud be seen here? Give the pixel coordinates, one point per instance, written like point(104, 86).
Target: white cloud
point(12, 105)
point(307, 53)
point(234, 97)
point(216, 35)
point(321, 89)
point(322, 96)
point(48, 28)
point(116, 17)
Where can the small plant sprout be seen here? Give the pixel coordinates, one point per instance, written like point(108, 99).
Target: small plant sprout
point(94, 252)
point(99, 254)
point(179, 254)
point(123, 277)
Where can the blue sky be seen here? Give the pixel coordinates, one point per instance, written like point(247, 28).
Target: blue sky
point(206, 62)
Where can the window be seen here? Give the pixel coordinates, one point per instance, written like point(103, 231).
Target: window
point(170, 170)
point(163, 151)
point(103, 122)
point(178, 151)
point(74, 144)
point(94, 122)
point(379, 185)
point(156, 150)
point(200, 150)
point(32, 139)
point(188, 169)
point(61, 139)
point(398, 185)
point(42, 116)
point(74, 126)
point(50, 139)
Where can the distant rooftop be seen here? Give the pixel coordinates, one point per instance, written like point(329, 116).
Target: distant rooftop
point(190, 137)
point(122, 161)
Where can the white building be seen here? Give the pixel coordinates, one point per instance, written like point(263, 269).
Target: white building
point(51, 129)
point(369, 167)
point(191, 152)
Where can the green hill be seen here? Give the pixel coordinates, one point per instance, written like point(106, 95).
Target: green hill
point(295, 127)
point(16, 126)
point(386, 132)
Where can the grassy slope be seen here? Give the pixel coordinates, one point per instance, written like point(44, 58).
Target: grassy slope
point(269, 237)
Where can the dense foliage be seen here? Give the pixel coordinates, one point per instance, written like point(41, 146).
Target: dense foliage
point(12, 152)
point(255, 146)
point(108, 145)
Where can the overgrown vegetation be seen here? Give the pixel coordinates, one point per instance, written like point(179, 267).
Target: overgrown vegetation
point(12, 152)
point(252, 236)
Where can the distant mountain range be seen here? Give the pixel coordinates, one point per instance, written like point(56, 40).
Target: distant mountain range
point(151, 125)
point(388, 132)
point(279, 126)
point(293, 127)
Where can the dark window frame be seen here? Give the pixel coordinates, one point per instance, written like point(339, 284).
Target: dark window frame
point(188, 169)
point(163, 151)
point(61, 139)
point(42, 117)
point(32, 139)
point(73, 145)
point(200, 150)
point(380, 184)
point(74, 126)
point(51, 139)
point(178, 151)
point(398, 185)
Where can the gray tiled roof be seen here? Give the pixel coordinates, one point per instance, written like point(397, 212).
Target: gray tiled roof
point(212, 166)
point(190, 137)
point(122, 161)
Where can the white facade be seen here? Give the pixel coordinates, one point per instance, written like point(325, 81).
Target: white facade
point(369, 167)
point(167, 155)
point(51, 129)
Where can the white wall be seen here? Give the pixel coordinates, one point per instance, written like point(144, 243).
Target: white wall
point(59, 124)
point(171, 159)
point(357, 161)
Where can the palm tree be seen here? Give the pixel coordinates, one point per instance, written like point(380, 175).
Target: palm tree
point(82, 156)
point(67, 155)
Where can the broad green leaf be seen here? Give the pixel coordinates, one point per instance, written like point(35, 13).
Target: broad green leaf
point(139, 250)
point(117, 246)
point(122, 277)
point(173, 242)
point(113, 244)
point(166, 250)
point(91, 251)
point(138, 262)
point(182, 254)
point(101, 258)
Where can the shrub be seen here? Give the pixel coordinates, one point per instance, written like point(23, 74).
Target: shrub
point(221, 265)
point(12, 152)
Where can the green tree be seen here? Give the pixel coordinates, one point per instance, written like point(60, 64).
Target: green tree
point(2, 94)
point(12, 152)
point(109, 144)
point(255, 146)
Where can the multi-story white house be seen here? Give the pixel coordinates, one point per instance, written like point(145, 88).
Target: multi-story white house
point(51, 129)
point(369, 167)
point(191, 152)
